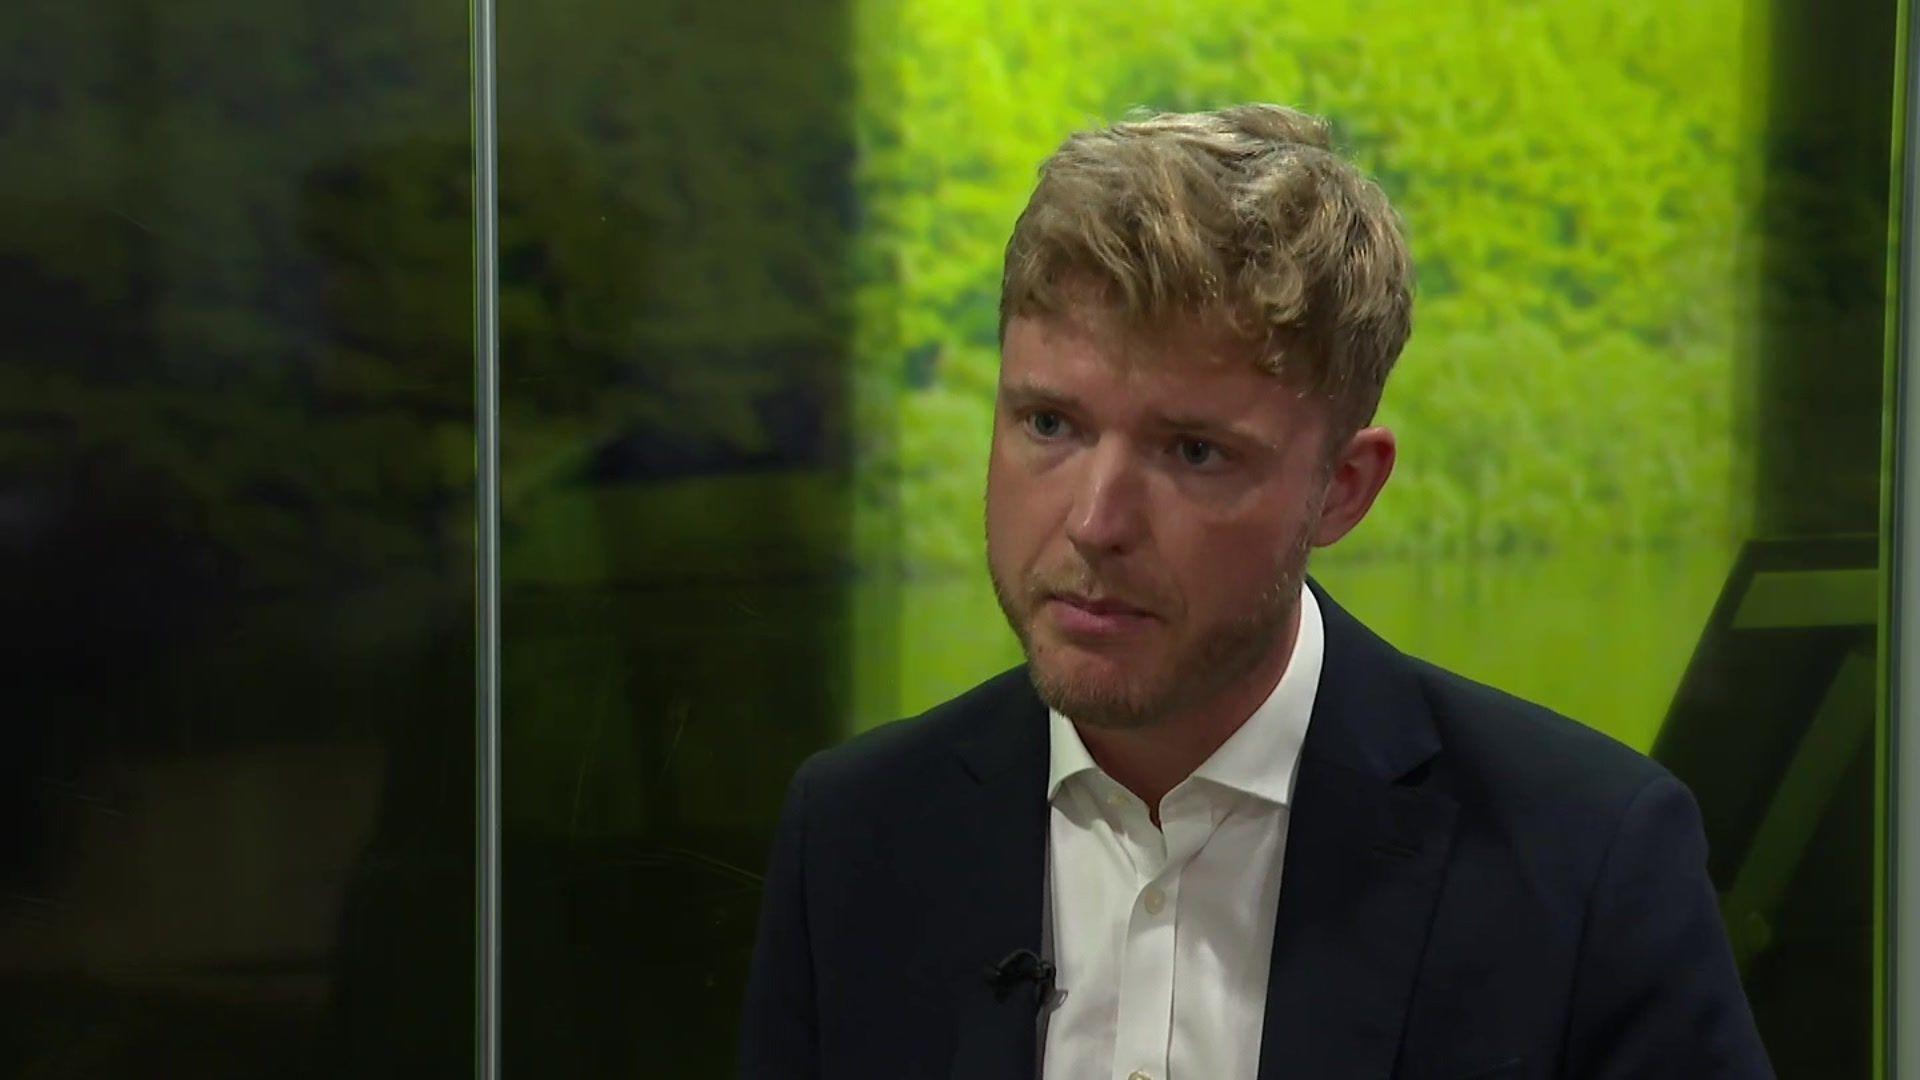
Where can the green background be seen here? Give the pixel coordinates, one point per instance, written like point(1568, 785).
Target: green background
point(749, 261)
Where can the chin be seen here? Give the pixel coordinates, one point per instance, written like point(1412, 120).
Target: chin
point(1113, 660)
point(1072, 663)
point(1097, 688)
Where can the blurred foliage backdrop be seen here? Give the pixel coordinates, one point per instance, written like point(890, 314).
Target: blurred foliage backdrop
point(1579, 182)
point(1576, 180)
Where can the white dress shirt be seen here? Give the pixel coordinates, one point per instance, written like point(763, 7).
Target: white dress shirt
point(1162, 937)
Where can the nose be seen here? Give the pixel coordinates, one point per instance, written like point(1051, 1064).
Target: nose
point(1107, 516)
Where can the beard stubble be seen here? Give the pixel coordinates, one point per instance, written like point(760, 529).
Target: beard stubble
point(1198, 668)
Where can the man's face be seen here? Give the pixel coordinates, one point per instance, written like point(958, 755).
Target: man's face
point(1150, 507)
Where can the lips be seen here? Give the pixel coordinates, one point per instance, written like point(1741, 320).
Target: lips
point(1085, 617)
point(1101, 607)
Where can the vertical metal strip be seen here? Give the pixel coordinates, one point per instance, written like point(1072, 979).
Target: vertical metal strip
point(486, 342)
point(1902, 655)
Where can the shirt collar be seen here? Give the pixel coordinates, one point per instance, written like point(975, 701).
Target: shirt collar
point(1259, 757)
point(1067, 756)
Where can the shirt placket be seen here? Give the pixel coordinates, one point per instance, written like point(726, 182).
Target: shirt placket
point(1142, 1049)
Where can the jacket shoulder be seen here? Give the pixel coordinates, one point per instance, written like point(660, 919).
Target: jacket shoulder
point(906, 751)
point(1504, 748)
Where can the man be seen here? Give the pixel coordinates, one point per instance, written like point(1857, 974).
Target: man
point(1214, 828)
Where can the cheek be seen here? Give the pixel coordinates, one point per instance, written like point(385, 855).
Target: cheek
point(1223, 567)
point(1000, 491)
point(1013, 513)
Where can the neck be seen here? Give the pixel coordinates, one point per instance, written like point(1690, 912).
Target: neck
point(1151, 760)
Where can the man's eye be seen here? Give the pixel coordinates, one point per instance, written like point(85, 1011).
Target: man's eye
point(1197, 452)
point(1047, 425)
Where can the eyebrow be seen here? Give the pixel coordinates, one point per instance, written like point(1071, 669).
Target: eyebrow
point(1204, 425)
point(1029, 395)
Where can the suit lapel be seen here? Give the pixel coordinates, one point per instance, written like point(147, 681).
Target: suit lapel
point(1366, 848)
point(998, 879)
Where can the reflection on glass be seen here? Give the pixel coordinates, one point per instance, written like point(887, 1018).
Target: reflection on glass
point(676, 215)
point(235, 521)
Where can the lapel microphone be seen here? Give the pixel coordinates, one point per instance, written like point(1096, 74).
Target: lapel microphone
point(1021, 966)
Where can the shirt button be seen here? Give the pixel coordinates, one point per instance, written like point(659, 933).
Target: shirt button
point(1154, 900)
point(1114, 798)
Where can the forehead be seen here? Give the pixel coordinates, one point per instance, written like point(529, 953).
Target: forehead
point(1191, 364)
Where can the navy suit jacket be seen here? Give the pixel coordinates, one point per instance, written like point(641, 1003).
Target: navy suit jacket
point(1474, 887)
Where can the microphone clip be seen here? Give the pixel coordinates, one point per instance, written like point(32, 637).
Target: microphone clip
point(1021, 966)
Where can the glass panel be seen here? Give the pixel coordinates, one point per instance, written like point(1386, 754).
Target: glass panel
point(676, 223)
point(235, 531)
point(1899, 834)
point(750, 273)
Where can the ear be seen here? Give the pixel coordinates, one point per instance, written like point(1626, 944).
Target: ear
point(1359, 470)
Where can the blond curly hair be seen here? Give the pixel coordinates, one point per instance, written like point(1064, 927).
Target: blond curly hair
point(1244, 215)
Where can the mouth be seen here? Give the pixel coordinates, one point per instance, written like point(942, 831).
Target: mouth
point(1084, 616)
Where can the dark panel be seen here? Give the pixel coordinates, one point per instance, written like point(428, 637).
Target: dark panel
point(235, 535)
point(676, 213)
point(1773, 725)
point(1822, 321)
